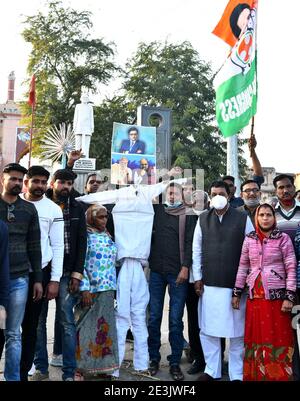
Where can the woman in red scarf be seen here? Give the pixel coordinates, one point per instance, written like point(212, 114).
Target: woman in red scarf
point(268, 268)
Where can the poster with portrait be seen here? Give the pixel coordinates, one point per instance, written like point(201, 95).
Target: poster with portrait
point(133, 155)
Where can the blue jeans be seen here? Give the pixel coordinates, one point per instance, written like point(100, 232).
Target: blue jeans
point(157, 287)
point(18, 292)
point(67, 302)
point(41, 354)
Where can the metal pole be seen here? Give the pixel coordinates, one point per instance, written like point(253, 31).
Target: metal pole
point(31, 134)
point(232, 160)
point(252, 135)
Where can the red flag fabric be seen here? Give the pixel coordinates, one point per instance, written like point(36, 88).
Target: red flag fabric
point(31, 99)
point(231, 21)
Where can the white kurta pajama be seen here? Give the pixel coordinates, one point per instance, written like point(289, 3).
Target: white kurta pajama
point(133, 219)
point(217, 318)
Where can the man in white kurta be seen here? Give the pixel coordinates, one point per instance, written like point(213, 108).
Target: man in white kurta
point(133, 219)
point(217, 318)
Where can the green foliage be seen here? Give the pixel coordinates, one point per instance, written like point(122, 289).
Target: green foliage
point(64, 58)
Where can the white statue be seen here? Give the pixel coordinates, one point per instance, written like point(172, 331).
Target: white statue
point(83, 124)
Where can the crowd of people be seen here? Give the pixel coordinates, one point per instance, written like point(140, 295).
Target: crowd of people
point(108, 256)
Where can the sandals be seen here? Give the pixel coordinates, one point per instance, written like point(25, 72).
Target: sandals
point(153, 368)
point(176, 373)
point(78, 377)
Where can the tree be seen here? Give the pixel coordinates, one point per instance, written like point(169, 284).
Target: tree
point(112, 110)
point(174, 76)
point(64, 58)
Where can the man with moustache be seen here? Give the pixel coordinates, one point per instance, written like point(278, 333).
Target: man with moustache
point(75, 243)
point(287, 210)
point(217, 245)
point(287, 214)
point(24, 256)
point(52, 246)
point(251, 194)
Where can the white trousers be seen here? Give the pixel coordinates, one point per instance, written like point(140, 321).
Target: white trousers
point(84, 146)
point(132, 302)
point(212, 353)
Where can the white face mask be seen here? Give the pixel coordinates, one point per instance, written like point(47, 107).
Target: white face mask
point(251, 202)
point(218, 202)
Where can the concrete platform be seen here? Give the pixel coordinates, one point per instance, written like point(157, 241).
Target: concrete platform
point(126, 371)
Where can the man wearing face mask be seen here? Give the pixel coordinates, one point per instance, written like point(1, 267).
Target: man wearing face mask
point(217, 245)
point(250, 193)
point(169, 264)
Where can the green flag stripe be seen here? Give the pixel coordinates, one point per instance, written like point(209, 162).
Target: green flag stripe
point(236, 101)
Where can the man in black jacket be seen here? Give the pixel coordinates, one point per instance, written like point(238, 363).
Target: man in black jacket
point(23, 226)
point(169, 267)
point(75, 238)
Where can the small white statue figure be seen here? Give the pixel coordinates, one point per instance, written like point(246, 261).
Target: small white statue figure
point(83, 124)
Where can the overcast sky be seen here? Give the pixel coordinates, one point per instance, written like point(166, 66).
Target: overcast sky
point(129, 22)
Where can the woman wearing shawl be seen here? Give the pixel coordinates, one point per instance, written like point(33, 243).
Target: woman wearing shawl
point(268, 268)
point(97, 349)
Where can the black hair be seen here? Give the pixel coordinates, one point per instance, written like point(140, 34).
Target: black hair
point(91, 175)
point(220, 184)
point(64, 174)
point(37, 170)
point(249, 182)
point(228, 177)
point(282, 177)
point(236, 30)
point(132, 129)
point(14, 167)
point(174, 185)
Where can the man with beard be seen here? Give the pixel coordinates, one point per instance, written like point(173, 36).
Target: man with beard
point(24, 255)
point(145, 174)
point(250, 193)
point(75, 243)
point(52, 246)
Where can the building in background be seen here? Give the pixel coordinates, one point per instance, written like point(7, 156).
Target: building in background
point(10, 116)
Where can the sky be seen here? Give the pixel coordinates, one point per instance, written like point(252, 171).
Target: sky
point(126, 23)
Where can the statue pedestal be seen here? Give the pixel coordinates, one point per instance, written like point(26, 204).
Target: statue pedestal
point(82, 168)
point(85, 165)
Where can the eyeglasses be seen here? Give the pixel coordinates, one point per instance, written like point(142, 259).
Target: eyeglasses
point(10, 216)
point(249, 190)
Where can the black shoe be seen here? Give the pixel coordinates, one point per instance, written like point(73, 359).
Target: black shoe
point(176, 373)
point(129, 336)
point(204, 377)
point(224, 368)
point(196, 367)
point(153, 367)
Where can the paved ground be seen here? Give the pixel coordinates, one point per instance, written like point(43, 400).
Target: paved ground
point(126, 372)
